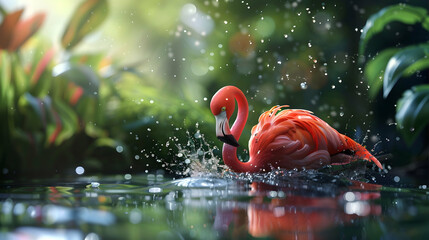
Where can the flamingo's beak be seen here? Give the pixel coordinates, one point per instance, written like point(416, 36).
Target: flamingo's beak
point(223, 132)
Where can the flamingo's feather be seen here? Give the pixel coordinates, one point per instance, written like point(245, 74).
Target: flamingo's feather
point(289, 138)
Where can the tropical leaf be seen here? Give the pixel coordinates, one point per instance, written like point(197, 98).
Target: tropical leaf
point(69, 121)
point(374, 70)
point(412, 112)
point(41, 65)
point(87, 17)
point(5, 76)
point(110, 143)
point(19, 77)
point(406, 61)
point(55, 125)
point(7, 28)
point(93, 59)
point(81, 75)
point(41, 77)
point(401, 12)
point(24, 30)
point(33, 109)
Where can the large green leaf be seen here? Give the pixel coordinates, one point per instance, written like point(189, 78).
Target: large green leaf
point(412, 113)
point(405, 62)
point(87, 17)
point(401, 12)
point(374, 70)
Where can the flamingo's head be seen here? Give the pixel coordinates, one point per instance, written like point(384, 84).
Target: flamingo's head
point(222, 106)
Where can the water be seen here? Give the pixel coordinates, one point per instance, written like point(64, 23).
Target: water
point(334, 202)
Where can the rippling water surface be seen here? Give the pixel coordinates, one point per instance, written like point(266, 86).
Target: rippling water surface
point(349, 202)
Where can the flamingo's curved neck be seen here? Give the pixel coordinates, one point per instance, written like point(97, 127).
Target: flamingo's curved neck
point(229, 152)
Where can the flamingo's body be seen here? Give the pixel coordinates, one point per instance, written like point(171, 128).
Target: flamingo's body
point(287, 138)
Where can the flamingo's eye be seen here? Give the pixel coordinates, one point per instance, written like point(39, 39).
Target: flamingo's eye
point(223, 109)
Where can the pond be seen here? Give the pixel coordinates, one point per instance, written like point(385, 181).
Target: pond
point(341, 202)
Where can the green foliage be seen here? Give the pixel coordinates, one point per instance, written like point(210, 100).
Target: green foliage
point(392, 64)
point(374, 70)
point(85, 109)
point(405, 62)
point(401, 13)
point(15, 32)
point(87, 17)
point(47, 109)
point(412, 111)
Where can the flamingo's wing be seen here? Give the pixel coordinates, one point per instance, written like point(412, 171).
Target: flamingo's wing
point(296, 138)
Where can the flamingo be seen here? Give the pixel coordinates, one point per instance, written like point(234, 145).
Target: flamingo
point(283, 138)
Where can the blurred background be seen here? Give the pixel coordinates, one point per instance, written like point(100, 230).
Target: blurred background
point(100, 87)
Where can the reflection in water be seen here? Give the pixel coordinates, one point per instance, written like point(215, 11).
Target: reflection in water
point(281, 205)
point(275, 212)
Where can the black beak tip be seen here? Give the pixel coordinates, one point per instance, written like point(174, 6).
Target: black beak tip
point(229, 139)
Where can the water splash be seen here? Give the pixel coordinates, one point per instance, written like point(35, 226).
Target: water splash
point(196, 158)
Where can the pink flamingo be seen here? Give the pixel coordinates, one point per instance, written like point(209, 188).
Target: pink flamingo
point(283, 138)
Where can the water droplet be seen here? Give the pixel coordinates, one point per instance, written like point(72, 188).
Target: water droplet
point(155, 190)
point(135, 216)
point(197, 134)
point(119, 149)
point(396, 179)
point(80, 170)
point(127, 176)
point(303, 85)
point(92, 236)
point(95, 184)
point(349, 196)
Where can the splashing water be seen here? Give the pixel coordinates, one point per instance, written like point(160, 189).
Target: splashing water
point(196, 158)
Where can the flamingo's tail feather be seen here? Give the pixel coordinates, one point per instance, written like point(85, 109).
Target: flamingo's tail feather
point(361, 152)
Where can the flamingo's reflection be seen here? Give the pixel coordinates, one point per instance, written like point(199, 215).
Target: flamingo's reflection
point(290, 216)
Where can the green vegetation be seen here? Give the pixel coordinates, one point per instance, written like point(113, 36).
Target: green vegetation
point(392, 64)
point(62, 109)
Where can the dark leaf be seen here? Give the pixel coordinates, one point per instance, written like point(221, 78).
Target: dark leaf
point(36, 105)
point(406, 61)
point(374, 70)
point(412, 113)
point(81, 75)
point(401, 12)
